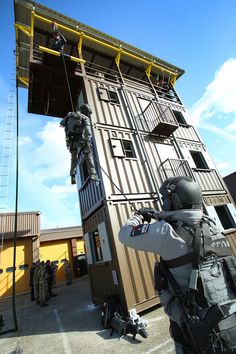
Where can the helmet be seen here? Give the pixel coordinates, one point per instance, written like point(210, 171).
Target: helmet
point(181, 193)
point(86, 108)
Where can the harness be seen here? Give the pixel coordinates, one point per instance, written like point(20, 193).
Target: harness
point(209, 303)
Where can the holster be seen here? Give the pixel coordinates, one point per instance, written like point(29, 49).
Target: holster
point(199, 331)
point(159, 279)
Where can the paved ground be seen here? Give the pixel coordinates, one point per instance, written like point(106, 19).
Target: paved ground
point(71, 325)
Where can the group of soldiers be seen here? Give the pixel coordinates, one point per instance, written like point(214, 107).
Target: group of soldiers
point(41, 280)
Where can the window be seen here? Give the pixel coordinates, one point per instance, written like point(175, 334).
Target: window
point(108, 95)
point(225, 217)
point(23, 266)
point(179, 117)
point(199, 160)
point(1, 271)
point(10, 269)
point(122, 148)
point(96, 245)
point(113, 97)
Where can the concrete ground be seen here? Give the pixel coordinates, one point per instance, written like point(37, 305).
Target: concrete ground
point(71, 324)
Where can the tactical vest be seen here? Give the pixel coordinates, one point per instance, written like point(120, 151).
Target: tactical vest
point(75, 127)
point(212, 282)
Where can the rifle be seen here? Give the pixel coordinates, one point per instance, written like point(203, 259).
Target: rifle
point(132, 324)
point(196, 331)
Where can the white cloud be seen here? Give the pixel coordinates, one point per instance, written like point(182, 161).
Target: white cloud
point(24, 140)
point(222, 165)
point(219, 97)
point(44, 177)
point(215, 114)
point(51, 159)
point(232, 125)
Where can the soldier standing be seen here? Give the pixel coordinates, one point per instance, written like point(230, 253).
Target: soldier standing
point(43, 285)
point(68, 272)
point(36, 282)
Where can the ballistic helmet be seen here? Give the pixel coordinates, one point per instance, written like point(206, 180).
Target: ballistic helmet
point(86, 108)
point(181, 193)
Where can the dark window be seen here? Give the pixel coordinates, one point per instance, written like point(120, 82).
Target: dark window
point(113, 97)
point(96, 246)
point(225, 217)
point(108, 95)
point(199, 160)
point(23, 266)
point(1, 271)
point(122, 148)
point(128, 148)
point(180, 118)
point(10, 269)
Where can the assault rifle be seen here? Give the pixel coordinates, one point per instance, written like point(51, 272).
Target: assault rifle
point(132, 324)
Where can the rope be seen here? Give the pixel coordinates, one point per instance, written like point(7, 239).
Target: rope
point(68, 84)
point(133, 206)
point(67, 80)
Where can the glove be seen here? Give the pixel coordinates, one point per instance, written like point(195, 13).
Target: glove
point(146, 213)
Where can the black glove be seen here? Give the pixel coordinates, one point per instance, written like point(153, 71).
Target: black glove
point(146, 213)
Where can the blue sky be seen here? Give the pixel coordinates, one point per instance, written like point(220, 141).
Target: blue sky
point(198, 36)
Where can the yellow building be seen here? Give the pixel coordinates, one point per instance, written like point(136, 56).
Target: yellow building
point(33, 244)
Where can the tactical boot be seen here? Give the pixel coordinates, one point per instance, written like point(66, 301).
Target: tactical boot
point(73, 180)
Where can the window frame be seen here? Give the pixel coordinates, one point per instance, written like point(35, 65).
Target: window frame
point(108, 95)
point(204, 165)
point(225, 216)
point(125, 150)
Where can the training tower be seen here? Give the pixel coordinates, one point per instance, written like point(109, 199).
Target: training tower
point(141, 136)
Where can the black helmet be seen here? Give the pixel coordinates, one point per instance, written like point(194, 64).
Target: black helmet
point(181, 193)
point(86, 108)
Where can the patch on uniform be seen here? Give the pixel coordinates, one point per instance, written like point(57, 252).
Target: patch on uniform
point(139, 230)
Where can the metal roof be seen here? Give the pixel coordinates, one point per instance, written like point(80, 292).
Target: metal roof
point(94, 39)
point(28, 224)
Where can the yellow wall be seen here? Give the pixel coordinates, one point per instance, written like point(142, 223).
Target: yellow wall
point(53, 250)
point(56, 251)
point(80, 246)
point(23, 256)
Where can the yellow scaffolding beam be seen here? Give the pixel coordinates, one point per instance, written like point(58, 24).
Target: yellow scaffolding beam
point(107, 45)
point(55, 52)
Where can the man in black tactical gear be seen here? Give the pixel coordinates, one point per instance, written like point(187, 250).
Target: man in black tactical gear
point(79, 135)
point(201, 320)
point(58, 40)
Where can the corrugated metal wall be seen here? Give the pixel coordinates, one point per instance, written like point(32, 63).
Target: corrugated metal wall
point(136, 267)
point(231, 237)
point(28, 224)
point(187, 133)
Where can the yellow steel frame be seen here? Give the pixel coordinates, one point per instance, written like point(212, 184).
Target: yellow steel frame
point(120, 52)
point(29, 31)
point(24, 80)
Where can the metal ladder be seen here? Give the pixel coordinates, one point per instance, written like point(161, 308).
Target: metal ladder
point(6, 142)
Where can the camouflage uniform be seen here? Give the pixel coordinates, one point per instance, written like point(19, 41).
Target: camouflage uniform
point(79, 135)
point(36, 283)
point(68, 272)
point(43, 285)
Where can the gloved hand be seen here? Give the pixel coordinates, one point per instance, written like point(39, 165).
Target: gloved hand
point(146, 213)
